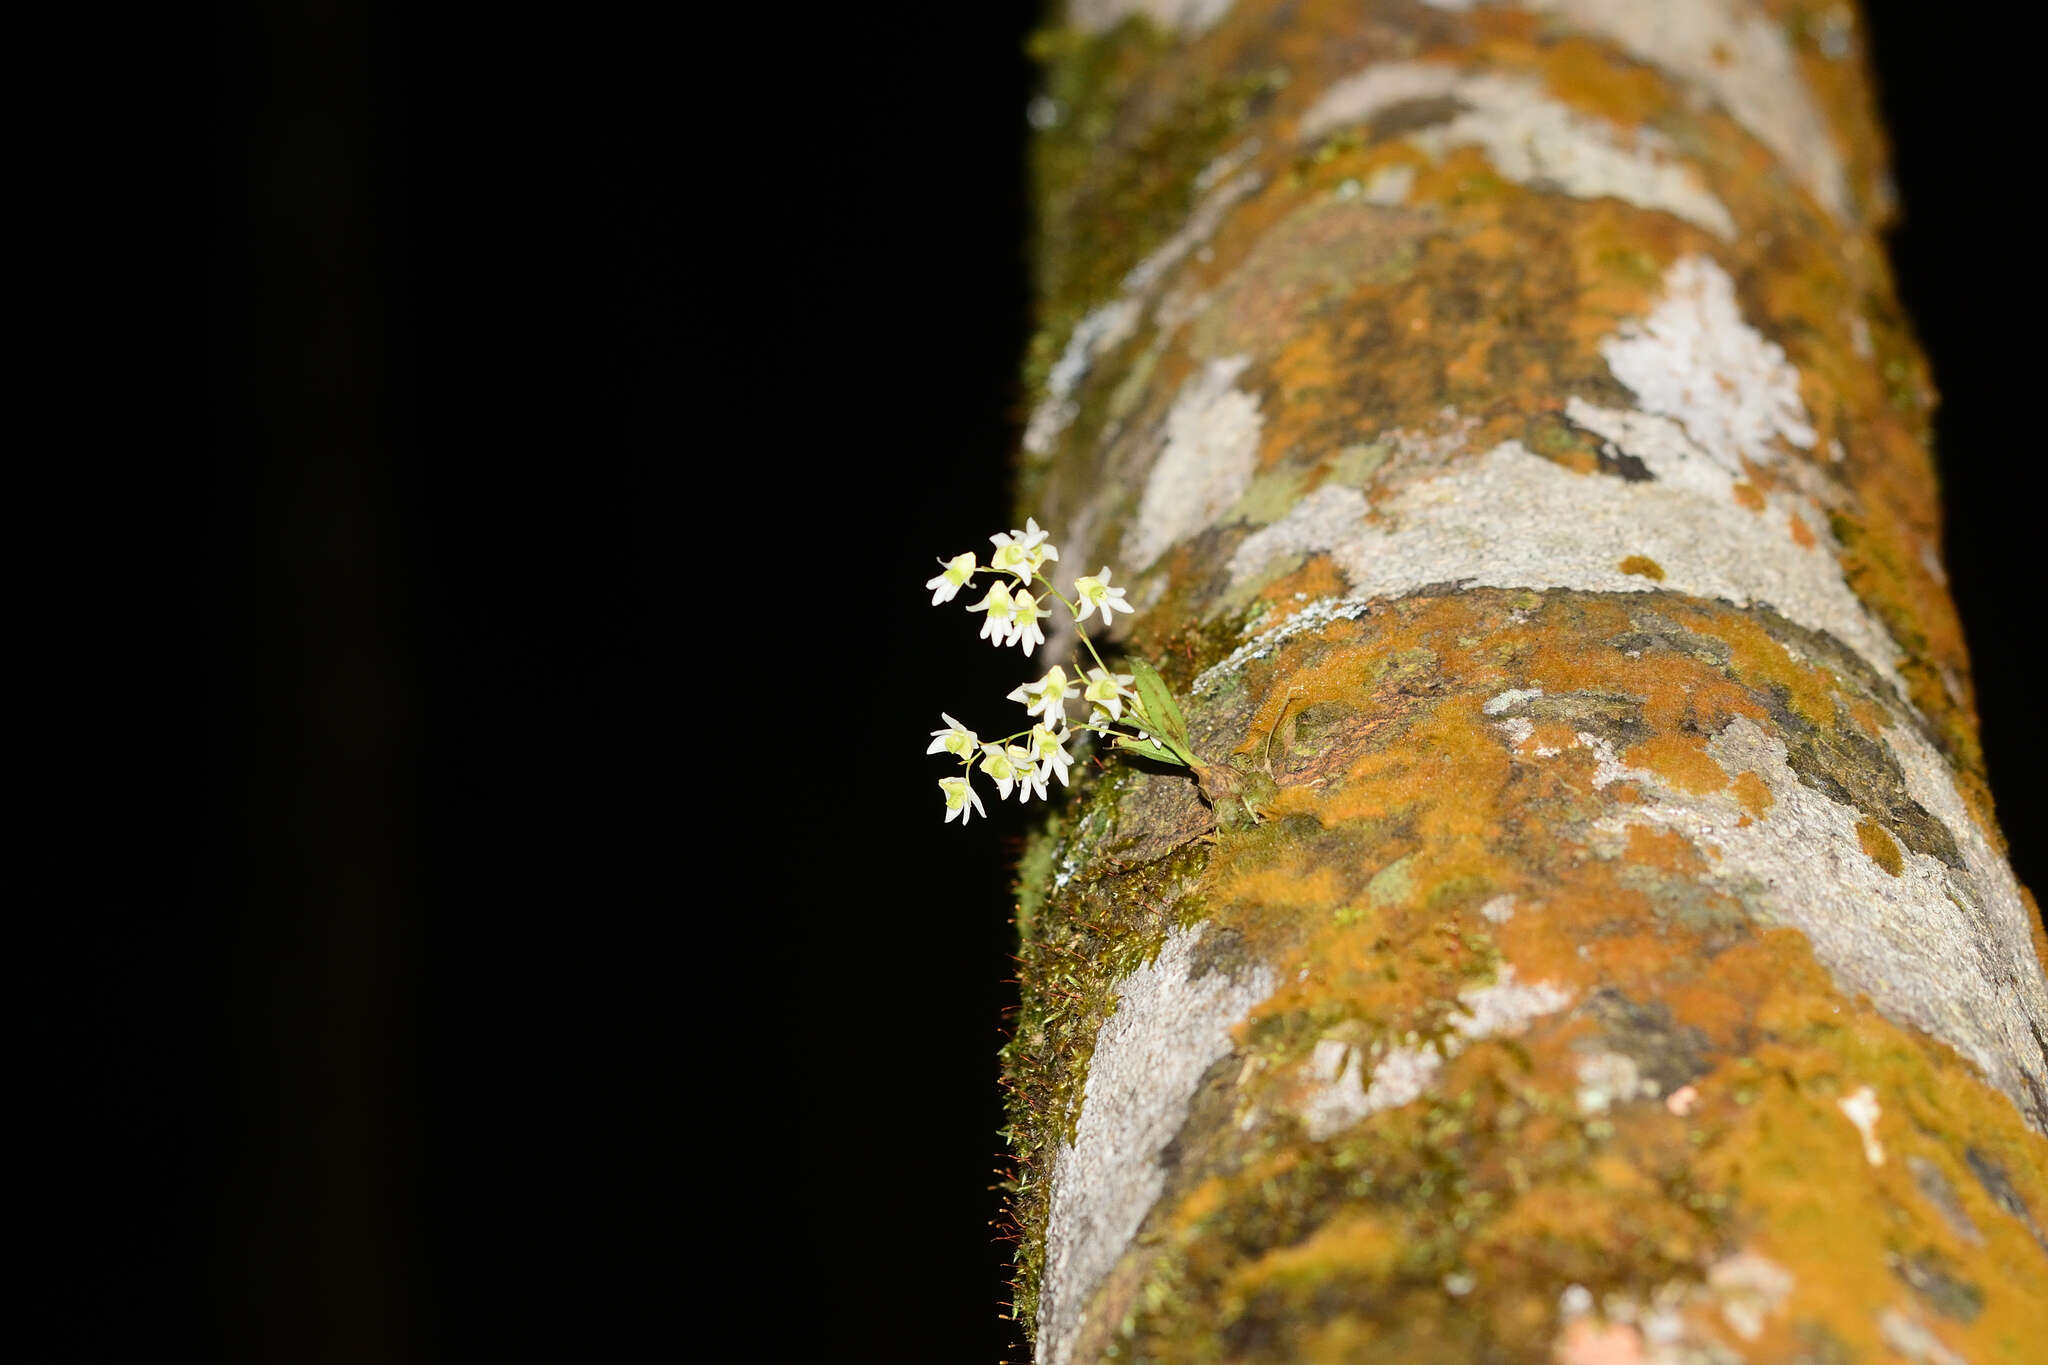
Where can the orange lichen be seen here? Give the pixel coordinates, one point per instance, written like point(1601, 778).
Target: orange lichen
point(1801, 1174)
point(1879, 846)
point(1664, 849)
point(1754, 795)
point(1430, 791)
point(1644, 566)
point(1681, 760)
point(1318, 577)
point(1594, 78)
point(1355, 1243)
point(1809, 690)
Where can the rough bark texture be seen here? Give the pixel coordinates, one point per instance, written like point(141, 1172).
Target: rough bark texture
point(1504, 416)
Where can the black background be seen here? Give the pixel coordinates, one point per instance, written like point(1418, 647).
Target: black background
point(483, 896)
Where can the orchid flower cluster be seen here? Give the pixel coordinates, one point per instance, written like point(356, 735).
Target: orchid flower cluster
point(1134, 710)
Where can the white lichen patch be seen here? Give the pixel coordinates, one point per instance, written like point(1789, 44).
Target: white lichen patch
point(1506, 1006)
point(1531, 138)
point(1170, 1026)
point(1212, 448)
point(1660, 443)
point(1862, 1109)
point(1328, 516)
point(1696, 360)
point(1102, 330)
point(1750, 1288)
point(1737, 55)
point(1364, 95)
point(1944, 949)
point(1183, 16)
point(1389, 186)
point(1339, 1094)
point(1674, 1323)
point(1333, 511)
point(1610, 1078)
point(1511, 519)
point(1518, 730)
point(1509, 699)
point(1399, 1076)
point(1607, 765)
point(1905, 1333)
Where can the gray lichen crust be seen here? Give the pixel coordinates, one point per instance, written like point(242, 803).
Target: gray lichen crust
point(1172, 1023)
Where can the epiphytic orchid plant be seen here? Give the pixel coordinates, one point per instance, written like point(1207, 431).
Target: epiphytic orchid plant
point(1135, 711)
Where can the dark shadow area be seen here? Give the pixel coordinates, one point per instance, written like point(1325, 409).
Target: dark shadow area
point(715, 350)
point(1945, 100)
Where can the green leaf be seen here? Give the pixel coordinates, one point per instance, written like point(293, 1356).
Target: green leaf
point(1145, 748)
point(1162, 716)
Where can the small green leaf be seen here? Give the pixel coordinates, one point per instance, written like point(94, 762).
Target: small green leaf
point(1145, 748)
point(1161, 715)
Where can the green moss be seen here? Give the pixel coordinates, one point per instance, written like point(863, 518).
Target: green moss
point(1034, 873)
point(1114, 177)
point(1084, 938)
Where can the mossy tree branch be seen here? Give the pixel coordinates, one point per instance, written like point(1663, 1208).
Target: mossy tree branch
point(1523, 461)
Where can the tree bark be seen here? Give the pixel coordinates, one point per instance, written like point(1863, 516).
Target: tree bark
point(1504, 419)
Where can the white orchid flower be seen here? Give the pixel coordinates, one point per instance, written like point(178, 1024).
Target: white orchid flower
point(1001, 768)
point(1026, 614)
point(953, 576)
point(1095, 593)
point(1030, 778)
point(960, 794)
point(1048, 696)
point(1049, 752)
point(1001, 626)
point(955, 739)
point(1107, 691)
point(1023, 552)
